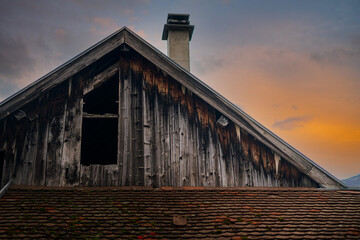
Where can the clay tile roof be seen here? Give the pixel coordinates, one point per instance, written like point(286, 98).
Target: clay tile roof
point(147, 213)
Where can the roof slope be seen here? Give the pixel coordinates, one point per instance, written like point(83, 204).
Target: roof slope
point(236, 213)
point(230, 110)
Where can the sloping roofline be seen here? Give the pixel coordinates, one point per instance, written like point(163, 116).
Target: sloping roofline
point(230, 110)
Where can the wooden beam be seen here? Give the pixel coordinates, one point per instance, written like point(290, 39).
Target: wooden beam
point(106, 115)
point(102, 77)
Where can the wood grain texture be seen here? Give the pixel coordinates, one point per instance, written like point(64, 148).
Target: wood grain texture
point(70, 161)
point(41, 152)
point(56, 131)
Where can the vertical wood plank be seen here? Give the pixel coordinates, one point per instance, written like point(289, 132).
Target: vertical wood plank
point(208, 160)
point(184, 148)
point(157, 145)
point(56, 134)
point(148, 139)
point(70, 161)
point(165, 160)
point(121, 124)
point(85, 176)
point(8, 143)
point(176, 139)
point(17, 166)
point(175, 145)
point(125, 118)
point(40, 161)
point(29, 153)
point(200, 154)
point(194, 156)
point(136, 122)
point(213, 160)
point(110, 173)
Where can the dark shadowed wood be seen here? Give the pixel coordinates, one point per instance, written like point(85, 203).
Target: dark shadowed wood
point(41, 152)
point(29, 153)
point(57, 114)
point(18, 164)
point(125, 163)
point(8, 145)
point(70, 162)
point(107, 115)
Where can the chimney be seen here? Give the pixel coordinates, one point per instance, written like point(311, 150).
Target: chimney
point(178, 32)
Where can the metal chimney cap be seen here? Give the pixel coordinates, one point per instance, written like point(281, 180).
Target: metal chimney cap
point(177, 21)
point(178, 18)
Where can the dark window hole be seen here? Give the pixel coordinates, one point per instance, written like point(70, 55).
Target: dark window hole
point(99, 141)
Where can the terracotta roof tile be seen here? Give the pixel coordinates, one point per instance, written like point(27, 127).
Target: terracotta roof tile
point(146, 213)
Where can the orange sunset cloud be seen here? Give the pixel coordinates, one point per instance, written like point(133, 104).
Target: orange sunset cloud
point(313, 106)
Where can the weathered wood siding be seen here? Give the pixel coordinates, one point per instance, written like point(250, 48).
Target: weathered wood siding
point(184, 145)
point(167, 136)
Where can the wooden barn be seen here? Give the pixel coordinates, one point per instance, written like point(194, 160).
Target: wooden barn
point(122, 114)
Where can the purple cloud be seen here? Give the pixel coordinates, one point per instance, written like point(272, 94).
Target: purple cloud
point(14, 57)
point(292, 122)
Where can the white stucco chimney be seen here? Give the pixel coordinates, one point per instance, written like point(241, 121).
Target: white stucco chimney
point(178, 32)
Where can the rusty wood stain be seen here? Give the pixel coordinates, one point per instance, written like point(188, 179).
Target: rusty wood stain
point(245, 143)
point(255, 152)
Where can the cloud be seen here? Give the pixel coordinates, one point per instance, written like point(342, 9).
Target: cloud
point(15, 58)
point(346, 53)
point(104, 22)
point(6, 88)
point(129, 13)
point(355, 41)
point(291, 122)
point(338, 55)
point(61, 34)
point(140, 32)
point(103, 26)
point(208, 64)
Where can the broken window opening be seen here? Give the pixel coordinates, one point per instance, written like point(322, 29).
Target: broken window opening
point(103, 99)
point(100, 124)
point(99, 141)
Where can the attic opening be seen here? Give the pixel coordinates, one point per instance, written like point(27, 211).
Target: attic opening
point(99, 141)
point(100, 124)
point(103, 99)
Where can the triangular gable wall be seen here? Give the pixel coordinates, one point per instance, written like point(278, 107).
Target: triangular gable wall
point(190, 82)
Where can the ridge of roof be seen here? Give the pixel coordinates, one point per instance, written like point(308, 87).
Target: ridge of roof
point(230, 110)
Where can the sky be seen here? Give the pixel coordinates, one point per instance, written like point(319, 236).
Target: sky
point(294, 66)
